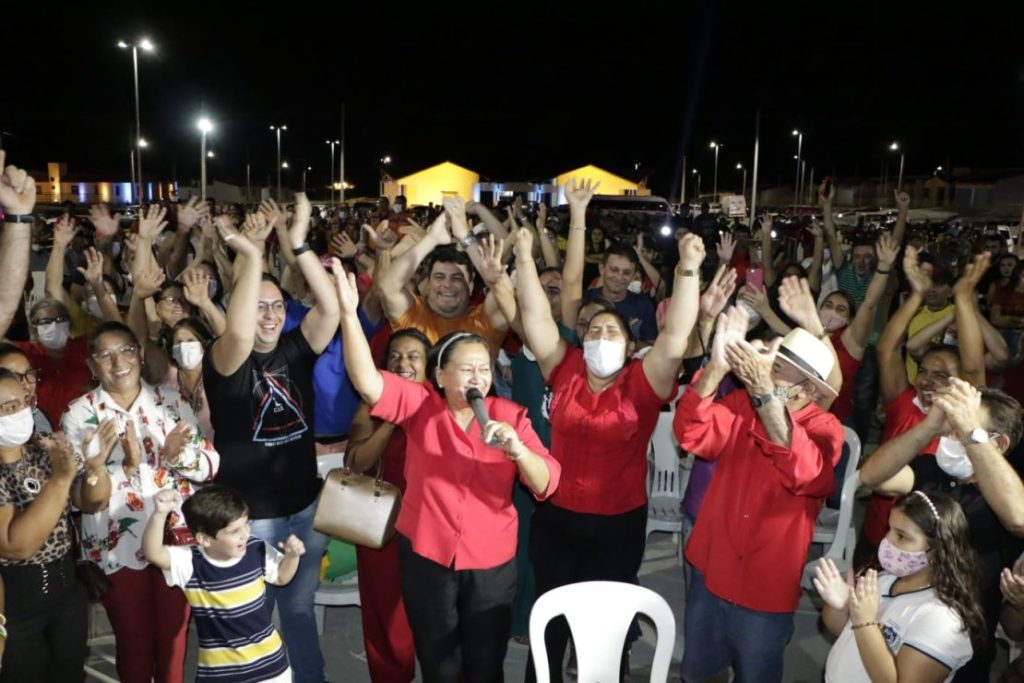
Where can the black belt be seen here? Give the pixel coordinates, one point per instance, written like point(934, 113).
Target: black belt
point(52, 578)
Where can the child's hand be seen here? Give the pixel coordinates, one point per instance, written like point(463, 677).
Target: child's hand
point(167, 500)
point(292, 546)
point(864, 599)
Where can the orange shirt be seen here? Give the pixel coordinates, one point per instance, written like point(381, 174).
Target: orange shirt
point(424, 319)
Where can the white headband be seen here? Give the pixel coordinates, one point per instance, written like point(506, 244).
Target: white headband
point(444, 347)
point(931, 505)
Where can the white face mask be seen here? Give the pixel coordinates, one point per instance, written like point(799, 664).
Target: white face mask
point(604, 357)
point(211, 289)
point(949, 338)
point(951, 457)
point(54, 335)
point(16, 429)
point(636, 286)
point(188, 355)
point(92, 304)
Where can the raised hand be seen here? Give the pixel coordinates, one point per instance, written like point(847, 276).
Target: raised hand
point(691, 251)
point(190, 212)
point(756, 298)
point(826, 195)
point(731, 327)
point(817, 230)
point(273, 214)
point(175, 442)
point(292, 546)
point(348, 292)
point(300, 221)
point(167, 500)
point(105, 224)
point(830, 584)
point(887, 249)
point(717, 294)
point(797, 301)
point(147, 283)
point(491, 267)
point(726, 246)
point(255, 228)
point(753, 364)
point(61, 454)
point(1011, 584)
point(152, 223)
point(864, 599)
point(17, 189)
point(439, 230)
point(578, 193)
point(902, 200)
point(961, 403)
point(342, 246)
point(919, 281)
point(381, 238)
point(197, 286)
point(972, 275)
point(64, 230)
point(455, 207)
point(93, 271)
point(233, 239)
point(523, 245)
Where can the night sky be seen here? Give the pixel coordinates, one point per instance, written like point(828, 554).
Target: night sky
point(518, 91)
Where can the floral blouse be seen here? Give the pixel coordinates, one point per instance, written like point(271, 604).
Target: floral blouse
point(112, 538)
point(21, 483)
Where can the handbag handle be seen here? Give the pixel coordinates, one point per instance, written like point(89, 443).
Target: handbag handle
point(379, 476)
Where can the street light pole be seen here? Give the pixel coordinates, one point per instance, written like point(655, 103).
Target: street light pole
point(715, 146)
point(799, 151)
point(278, 130)
point(138, 142)
point(205, 127)
point(743, 191)
point(895, 146)
point(308, 168)
point(332, 143)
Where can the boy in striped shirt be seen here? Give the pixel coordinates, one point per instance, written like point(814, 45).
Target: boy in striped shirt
point(224, 581)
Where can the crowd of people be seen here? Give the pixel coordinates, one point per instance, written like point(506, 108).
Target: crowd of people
point(163, 405)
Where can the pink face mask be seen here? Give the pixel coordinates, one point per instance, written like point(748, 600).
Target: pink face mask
point(901, 562)
point(831, 320)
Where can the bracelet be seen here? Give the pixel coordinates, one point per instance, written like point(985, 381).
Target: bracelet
point(19, 218)
point(883, 272)
point(231, 237)
point(866, 623)
point(3, 632)
point(301, 249)
point(685, 272)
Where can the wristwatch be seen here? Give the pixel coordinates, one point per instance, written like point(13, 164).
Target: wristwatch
point(976, 436)
point(758, 400)
point(19, 218)
point(467, 241)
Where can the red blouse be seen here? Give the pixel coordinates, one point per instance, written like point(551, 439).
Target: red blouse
point(842, 407)
point(757, 520)
point(457, 509)
point(601, 439)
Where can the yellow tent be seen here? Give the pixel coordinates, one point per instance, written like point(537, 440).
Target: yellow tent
point(610, 183)
point(434, 183)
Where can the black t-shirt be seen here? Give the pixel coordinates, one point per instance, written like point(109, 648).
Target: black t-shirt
point(263, 421)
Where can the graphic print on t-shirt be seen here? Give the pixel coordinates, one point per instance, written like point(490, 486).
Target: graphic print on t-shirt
point(278, 417)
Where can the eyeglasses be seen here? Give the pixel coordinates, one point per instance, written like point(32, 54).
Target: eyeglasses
point(106, 356)
point(31, 375)
point(39, 322)
point(172, 300)
point(14, 406)
point(553, 290)
point(275, 306)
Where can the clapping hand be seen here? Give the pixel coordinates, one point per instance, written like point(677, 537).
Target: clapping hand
point(1011, 584)
point(864, 598)
point(61, 454)
point(831, 586)
point(960, 401)
point(717, 294)
point(919, 281)
point(731, 327)
point(752, 363)
point(348, 292)
point(175, 442)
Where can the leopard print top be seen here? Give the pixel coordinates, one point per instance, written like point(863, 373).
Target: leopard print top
point(20, 483)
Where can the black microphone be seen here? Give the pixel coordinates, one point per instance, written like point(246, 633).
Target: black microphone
point(476, 402)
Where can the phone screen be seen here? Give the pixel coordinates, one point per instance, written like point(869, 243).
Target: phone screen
point(755, 277)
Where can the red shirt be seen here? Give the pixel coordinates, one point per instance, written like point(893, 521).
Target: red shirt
point(901, 416)
point(63, 380)
point(457, 509)
point(601, 438)
point(752, 533)
point(842, 407)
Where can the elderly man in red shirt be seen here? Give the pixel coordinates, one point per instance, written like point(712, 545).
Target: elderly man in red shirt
point(775, 451)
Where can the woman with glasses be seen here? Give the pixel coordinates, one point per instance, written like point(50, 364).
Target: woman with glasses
point(16, 362)
point(45, 607)
point(150, 440)
point(58, 357)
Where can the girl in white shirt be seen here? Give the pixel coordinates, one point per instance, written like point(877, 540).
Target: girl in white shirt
point(919, 618)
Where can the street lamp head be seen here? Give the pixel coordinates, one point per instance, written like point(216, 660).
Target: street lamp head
point(386, 160)
point(121, 44)
point(146, 45)
point(894, 147)
point(284, 164)
point(205, 125)
point(284, 127)
point(309, 168)
point(739, 167)
point(142, 143)
point(713, 144)
point(795, 132)
point(210, 154)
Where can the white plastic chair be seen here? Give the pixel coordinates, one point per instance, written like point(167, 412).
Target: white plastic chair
point(827, 524)
point(331, 594)
point(842, 539)
point(599, 614)
point(668, 483)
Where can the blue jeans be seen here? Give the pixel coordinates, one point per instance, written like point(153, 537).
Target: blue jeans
point(295, 601)
point(719, 633)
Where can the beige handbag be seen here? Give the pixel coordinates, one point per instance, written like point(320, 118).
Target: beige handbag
point(358, 508)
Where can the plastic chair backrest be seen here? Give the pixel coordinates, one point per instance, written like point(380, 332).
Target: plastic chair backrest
point(599, 615)
point(666, 458)
point(329, 461)
point(851, 480)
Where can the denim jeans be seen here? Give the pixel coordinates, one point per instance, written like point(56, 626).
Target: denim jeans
point(722, 633)
point(295, 601)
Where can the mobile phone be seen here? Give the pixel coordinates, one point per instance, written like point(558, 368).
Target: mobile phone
point(826, 185)
point(755, 277)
